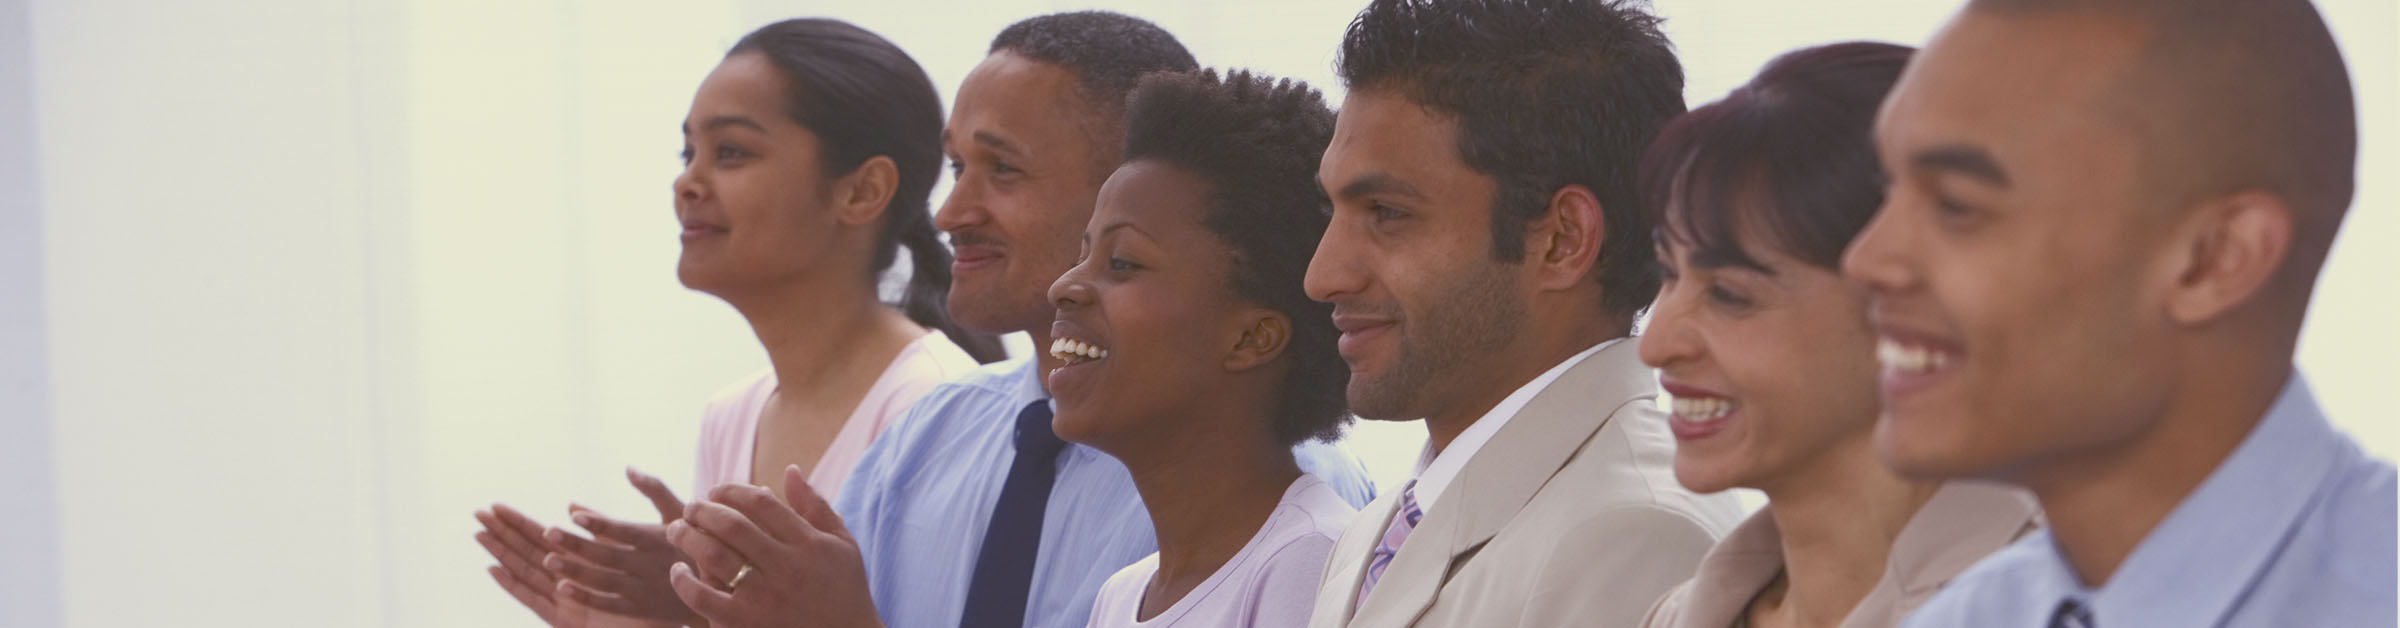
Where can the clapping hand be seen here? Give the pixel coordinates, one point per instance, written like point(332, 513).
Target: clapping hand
point(757, 561)
point(573, 582)
point(622, 569)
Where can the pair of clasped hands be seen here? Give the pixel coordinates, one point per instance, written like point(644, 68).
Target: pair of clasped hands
point(805, 569)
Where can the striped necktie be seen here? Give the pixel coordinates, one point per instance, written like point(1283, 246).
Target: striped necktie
point(1403, 523)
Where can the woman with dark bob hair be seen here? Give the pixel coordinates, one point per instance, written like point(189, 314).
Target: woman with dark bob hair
point(809, 156)
point(1766, 351)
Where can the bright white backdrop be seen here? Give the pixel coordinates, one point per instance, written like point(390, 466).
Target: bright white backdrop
point(289, 287)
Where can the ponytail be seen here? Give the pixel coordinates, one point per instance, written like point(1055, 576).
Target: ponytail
point(862, 96)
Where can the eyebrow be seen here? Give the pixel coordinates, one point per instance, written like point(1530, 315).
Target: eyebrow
point(1972, 161)
point(1379, 183)
point(719, 122)
point(1104, 231)
point(996, 143)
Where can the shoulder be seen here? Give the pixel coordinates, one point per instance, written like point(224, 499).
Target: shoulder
point(1120, 598)
point(935, 357)
point(1626, 473)
point(1669, 607)
point(981, 391)
point(1972, 598)
point(2354, 531)
point(746, 391)
point(735, 405)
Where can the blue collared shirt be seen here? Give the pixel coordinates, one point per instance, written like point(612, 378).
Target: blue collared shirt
point(919, 500)
point(2295, 528)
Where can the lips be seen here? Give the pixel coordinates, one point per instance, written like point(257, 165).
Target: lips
point(1912, 360)
point(1359, 332)
point(970, 251)
point(1080, 353)
point(1697, 413)
point(696, 229)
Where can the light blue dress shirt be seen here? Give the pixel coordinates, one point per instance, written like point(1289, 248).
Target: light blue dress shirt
point(919, 500)
point(2295, 528)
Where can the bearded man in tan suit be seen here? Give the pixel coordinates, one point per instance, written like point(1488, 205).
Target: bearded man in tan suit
point(1486, 260)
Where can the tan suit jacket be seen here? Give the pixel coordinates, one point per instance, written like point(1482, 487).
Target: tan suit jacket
point(1962, 523)
point(1569, 516)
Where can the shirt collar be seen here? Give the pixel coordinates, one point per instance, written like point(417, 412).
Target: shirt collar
point(2192, 567)
point(1028, 378)
point(1434, 472)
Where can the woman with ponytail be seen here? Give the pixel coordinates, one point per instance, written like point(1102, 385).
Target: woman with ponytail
point(809, 156)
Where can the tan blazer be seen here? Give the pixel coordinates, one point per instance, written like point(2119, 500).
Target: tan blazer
point(1962, 523)
point(1569, 516)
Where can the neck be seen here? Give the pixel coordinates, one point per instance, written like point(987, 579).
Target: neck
point(2102, 502)
point(799, 327)
point(1209, 490)
point(1837, 524)
point(1540, 347)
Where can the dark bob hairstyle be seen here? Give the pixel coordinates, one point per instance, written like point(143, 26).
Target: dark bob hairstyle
point(1790, 154)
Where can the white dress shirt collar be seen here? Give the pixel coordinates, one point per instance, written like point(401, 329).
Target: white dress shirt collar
point(1434, 472)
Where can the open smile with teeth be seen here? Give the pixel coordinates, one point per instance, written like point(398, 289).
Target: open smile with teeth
point(1911, 358)
point(1075, 352)
point(1698, 409)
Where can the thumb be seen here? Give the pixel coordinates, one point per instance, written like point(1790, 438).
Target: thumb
point(811, 507)
point(661, 497)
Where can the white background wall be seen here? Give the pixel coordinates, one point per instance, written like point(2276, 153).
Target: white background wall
point(290, 287)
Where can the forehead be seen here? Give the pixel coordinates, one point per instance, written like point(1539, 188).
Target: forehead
point(745, 84)
point(2014, 83)
point(1035, 105)
point(1154, 196)
point(1381, 132)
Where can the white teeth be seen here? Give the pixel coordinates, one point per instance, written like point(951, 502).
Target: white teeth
point(1075, 351)
point(1697, 409)
point(1908, 358)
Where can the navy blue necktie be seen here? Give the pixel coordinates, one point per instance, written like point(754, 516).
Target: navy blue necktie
point(2071, 613)
point(1004, 568)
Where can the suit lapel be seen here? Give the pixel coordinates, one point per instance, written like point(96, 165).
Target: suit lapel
point(1351, 554)
point(1501, 478)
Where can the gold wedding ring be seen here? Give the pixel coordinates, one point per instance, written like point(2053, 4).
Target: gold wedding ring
point(738, 576)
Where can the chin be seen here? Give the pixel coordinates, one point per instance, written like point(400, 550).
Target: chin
point(1918, 453)
point(976, 310)
point(1708, 474)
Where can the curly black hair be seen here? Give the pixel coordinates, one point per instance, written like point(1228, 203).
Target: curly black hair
point(1255, 141)
point(1108, 52)
point(1547, 93)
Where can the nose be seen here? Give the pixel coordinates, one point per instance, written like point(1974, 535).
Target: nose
point(1669, 338)
point(686, 186)
point(964, 207)
point(1334, 270)
point(1071, 290)
point(1878, 256)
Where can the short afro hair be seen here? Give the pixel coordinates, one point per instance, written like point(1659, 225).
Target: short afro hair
point(1255, 142)
point(1547, 94)
point(1108, 52)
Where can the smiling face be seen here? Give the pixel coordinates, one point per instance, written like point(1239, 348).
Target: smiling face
point(1026, 178)
point(2012, 260)
point(1149, 317)
point(755, 206)
point(1407, 264)
point(1728, 338)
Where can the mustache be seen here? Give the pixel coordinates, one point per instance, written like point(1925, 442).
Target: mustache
point(972, 238)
